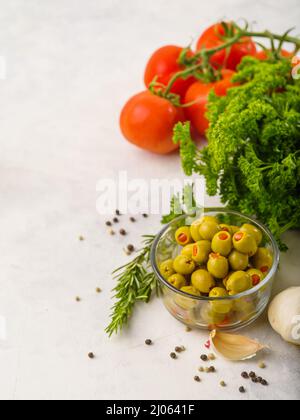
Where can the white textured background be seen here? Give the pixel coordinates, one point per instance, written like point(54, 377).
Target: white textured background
point(71, 64)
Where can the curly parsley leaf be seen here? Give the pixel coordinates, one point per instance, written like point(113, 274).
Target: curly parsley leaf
point(252, 159)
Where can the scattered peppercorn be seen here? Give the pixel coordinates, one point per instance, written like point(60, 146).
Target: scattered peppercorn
point(173, 356)
point(262, 365)
point(242, 390)
point(98, 290)
point(259, 379)
point(148, 342)
point(197, 379)
point(130, 248)
point(264, 382)
point(81, 238)
point(255, 380)
point(91, 355)
point(118, 213)
point(223, 384)
point(78, 299)
point(245, 375)
point(212, 369)
point(116, 220)
point(132, 219)
point(108, 224)
point(204, 358)
point(252, 375)
point(145, 216)
point(123, 232)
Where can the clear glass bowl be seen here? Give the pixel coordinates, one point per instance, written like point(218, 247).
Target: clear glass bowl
point(197, 312)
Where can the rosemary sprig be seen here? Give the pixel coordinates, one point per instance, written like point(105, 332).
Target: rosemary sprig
point(135, 282)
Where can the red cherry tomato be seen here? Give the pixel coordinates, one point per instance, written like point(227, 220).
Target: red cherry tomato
point(199, 93)
point(212, 38)
point(164, 64)
point(264, 54)
point(147, 121)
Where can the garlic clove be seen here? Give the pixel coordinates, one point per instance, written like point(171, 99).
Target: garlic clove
point(235, 347)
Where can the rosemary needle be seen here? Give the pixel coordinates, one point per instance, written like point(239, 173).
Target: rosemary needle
point(135, 282)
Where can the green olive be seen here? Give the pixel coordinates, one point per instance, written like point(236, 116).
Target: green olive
point(263, 260)
point(208, 230)
point(203, 281)
point(194, 229)
point(222, 306)
point(218, 292)
point(201, 251)
point(183, 236)
point(211, 219)
point(218, 266)
point(256, 276)
point(234, 229)
point(191, 290)
point(238, 282)
point(188, 250)
point(245, 243)
point(238, 261)
point(184, 265)
point(226, 228)
point(186, 302)
point(211, 317)
point(254, 231)
point(166, 269)
point(177, 280)
point(224, 281)
point(222, 243)
point(243, 305)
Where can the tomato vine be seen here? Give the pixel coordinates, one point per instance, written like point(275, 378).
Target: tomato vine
point(199, 64)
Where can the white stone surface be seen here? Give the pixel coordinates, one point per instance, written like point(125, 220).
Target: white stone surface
point(71, 64)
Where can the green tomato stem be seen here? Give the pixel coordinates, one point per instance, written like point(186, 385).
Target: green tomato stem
point(205, 54)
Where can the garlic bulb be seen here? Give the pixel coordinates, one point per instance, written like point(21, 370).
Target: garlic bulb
point(284, 315)
point(235, 347)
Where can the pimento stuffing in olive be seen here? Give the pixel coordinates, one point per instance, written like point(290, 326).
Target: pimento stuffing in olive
point(183, 236)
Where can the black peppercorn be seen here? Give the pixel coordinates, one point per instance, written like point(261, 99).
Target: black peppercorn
point(108, 223)
point(245, 375)
point(123, 232)
point(242, 390)
point(173, 356)
point(91, 355)
point(197, 379)
point(148, 342)
point(264, 382)
point(252, 375)
point(204, 358)
point(116, 220)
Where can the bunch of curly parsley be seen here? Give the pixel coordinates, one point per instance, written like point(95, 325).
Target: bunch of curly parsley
point(253, 155)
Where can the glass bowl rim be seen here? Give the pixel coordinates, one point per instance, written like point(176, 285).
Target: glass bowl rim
point(207, 211)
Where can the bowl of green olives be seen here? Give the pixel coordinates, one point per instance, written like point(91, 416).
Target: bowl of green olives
point(216, 269)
